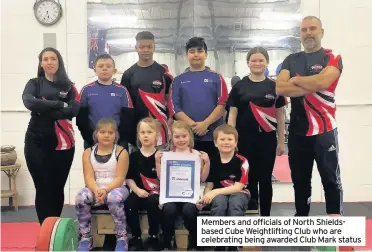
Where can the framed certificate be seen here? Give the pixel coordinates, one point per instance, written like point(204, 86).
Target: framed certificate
point(180, 177)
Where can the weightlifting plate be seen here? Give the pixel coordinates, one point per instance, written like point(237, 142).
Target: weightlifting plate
point(43, 240)
point(53, 234)
point(66, 236)
point(346, 248)
point(325, 248)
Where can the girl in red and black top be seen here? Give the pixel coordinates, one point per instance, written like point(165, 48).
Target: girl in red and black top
point(145, 185)
point(49, 143)
point(257, 112)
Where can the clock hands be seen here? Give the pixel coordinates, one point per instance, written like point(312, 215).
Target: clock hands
point(46, 15)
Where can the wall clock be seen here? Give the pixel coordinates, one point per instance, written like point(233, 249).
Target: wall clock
point(47, 12)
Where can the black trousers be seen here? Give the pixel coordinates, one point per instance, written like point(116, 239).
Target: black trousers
point(206, 146)
point(151, 204)
point(302, 151)
point(260, 150)
point(189, 213)
point(49, 170)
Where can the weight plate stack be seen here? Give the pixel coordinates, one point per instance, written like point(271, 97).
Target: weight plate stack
point(57, 234)
point(43, 240)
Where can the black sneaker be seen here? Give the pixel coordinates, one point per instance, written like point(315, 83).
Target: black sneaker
point(233, 249)
point(166, 246)
point(192, 244)
point(135, 244)
point(153, 243)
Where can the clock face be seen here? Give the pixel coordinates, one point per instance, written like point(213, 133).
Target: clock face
point(47, 12)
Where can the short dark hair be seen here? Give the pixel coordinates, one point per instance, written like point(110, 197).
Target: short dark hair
point(60, 77)
point(196, 42)
point(314, 17)
point(103, 57)
point(145, 35)
point(258, 49)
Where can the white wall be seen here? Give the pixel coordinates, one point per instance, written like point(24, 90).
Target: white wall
point(21, 42)
point(344, 31)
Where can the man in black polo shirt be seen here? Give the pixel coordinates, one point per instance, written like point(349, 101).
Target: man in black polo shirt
point(310, 78)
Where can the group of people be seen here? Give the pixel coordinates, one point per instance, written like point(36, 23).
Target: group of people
point(127, 126)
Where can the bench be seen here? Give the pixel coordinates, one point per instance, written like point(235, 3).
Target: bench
point(102, 224)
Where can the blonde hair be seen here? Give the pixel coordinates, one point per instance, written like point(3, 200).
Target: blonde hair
point(226, 129)
point(185, 126)
point(152, 123)
point(105, 122)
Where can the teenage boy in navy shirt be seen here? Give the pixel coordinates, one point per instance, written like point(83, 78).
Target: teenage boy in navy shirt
point(198, 97)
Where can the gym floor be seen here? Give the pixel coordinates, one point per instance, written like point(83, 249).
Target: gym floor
point(28, 214)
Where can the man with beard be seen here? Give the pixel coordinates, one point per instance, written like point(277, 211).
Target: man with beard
point(148, 83)
point(310, 78)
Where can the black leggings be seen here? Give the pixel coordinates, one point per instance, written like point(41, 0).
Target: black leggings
point(260, 150)
point(49, 170)
point(169, 215)
point(151, 205)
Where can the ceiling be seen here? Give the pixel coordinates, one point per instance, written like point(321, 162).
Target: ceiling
point(225, 24)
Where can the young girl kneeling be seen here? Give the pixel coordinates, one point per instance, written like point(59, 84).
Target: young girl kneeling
point(181, 141)
point(105, 166)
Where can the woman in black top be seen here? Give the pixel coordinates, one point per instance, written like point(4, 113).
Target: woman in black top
point(49, 143)
point(256, 112)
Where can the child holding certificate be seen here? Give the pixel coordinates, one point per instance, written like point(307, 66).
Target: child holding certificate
point(226, 191)
point(144, 184)
point(181, 141)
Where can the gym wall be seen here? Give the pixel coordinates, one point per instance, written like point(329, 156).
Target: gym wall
point(21, 40)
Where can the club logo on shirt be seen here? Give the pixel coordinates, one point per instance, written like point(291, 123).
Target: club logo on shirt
point(63, 94)
point(157, 84)
point(269, 97)
point(112, 94)
point(316, 68)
